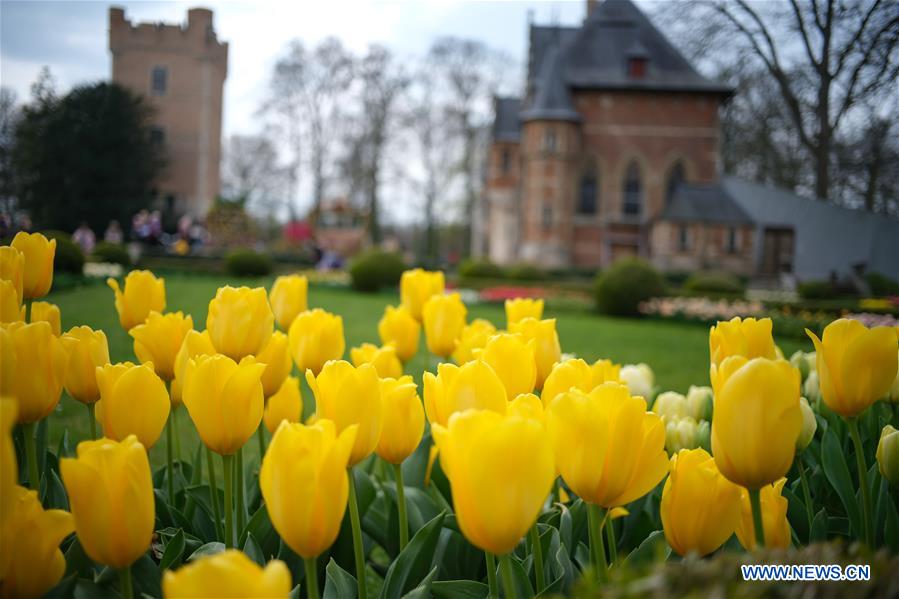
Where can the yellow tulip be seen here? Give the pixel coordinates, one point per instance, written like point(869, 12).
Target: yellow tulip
point(304, 483)
point(745, 337)
point(194, 344)
point(349, 396)
point(512, 358)
point(809, 425)
point(40, 370)
point(227, 574)
point(522, 307)
point(416, 288)
point(37, 277)
point(444, 319)
point(474, 385)
point(9, 470)
point(286, 404)
point(8, 361)
point(110, 491)
point(547, 351)
point(527, 405)
point(133, 401)
point(888, 454)
point(757, 419)
point(12, 269)
point(856, 365)
point(288, 298)
point(240, 321)
point(276, 357)
point(315, 337)
point(224, 400)
point(700, 509)
point(774, 518)
point(501, 470)
point(609, 449)
point(29, 539)
point(403, 419)
point(88, 350)
point(10, 307)
point(384, 359)
point(158, 340)
point(143, 293)
point(472, 339)
point(47, 312)
point(398, 328)
point(577, 374)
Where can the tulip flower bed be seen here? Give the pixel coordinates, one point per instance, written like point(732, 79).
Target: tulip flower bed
point(448, 457)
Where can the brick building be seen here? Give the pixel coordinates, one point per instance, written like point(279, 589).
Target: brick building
point(613, 150)
point(181, 70)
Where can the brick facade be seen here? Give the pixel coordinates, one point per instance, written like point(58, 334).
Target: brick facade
point(181, 70)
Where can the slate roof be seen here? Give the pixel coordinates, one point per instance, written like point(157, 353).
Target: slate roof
point(595, 56)
point(506, 123)
point(710, 203)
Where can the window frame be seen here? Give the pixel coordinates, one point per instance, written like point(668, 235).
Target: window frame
point(629, 207)
point(154, 73)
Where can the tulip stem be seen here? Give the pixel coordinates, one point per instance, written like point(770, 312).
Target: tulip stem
point(91, 420)
point(311, 578)
point(401, 505)
point(537, 550)
point(492, 586)
point(126, 589)
point(356, 525)
point(806, 494)
point(170, 472)
point(594, 521)
point(34, 477)
point(756, 503)
point(228, 471)
point(241, 499)
point(260, 434)
point(213, 492)
point(505, 570)
point(862, 480)
point(610, 538)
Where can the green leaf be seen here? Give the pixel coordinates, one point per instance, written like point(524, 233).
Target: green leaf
point(77, 561)
point(562, 571)
point(423, 590)
point(64, 448)
point(519, 578)
point(459, 589)
point(54, 492)
point(146, 576)
point(837, 472)
point(65, 589)
point(260, 526)
point(414, 562)
point(819, 527)
point(338, 582)
point(173, 551)
point(253, 551)
point(796, 514)
point(207, 549)
point(891, 532)
point(459, 559)
point(653, 548)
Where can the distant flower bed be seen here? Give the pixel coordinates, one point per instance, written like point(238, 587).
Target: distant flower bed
point(501, 294)
point(700, 308)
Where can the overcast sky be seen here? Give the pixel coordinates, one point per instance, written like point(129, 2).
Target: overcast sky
point(71, 37)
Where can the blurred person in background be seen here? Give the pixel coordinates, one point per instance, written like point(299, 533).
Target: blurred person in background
point(85, 238)
point(113, 233)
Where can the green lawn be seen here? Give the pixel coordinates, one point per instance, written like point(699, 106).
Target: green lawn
point(677, 352)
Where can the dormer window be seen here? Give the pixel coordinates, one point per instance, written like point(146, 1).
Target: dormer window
point(636, 67)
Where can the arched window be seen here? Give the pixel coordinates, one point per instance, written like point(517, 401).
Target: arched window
point(588, 198)
point(633, 191)
point(676, 176)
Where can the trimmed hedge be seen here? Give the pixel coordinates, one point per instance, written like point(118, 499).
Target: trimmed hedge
point(114, 253)
point(620, 289)
point(247, 263)
point(479, 269)
point(713, 282)
point(525, 272)
point(373, 269)
point(882, 285)
point(69, 257)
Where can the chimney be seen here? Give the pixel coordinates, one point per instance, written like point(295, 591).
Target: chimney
point(591, 6)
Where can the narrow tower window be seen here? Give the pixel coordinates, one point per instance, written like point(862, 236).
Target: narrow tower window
point(159, 81)
point(633, 191)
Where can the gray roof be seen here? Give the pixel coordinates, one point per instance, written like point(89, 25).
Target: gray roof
point(617, 30)
point(710, 203)
point(506, 124)
point(551, 98)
